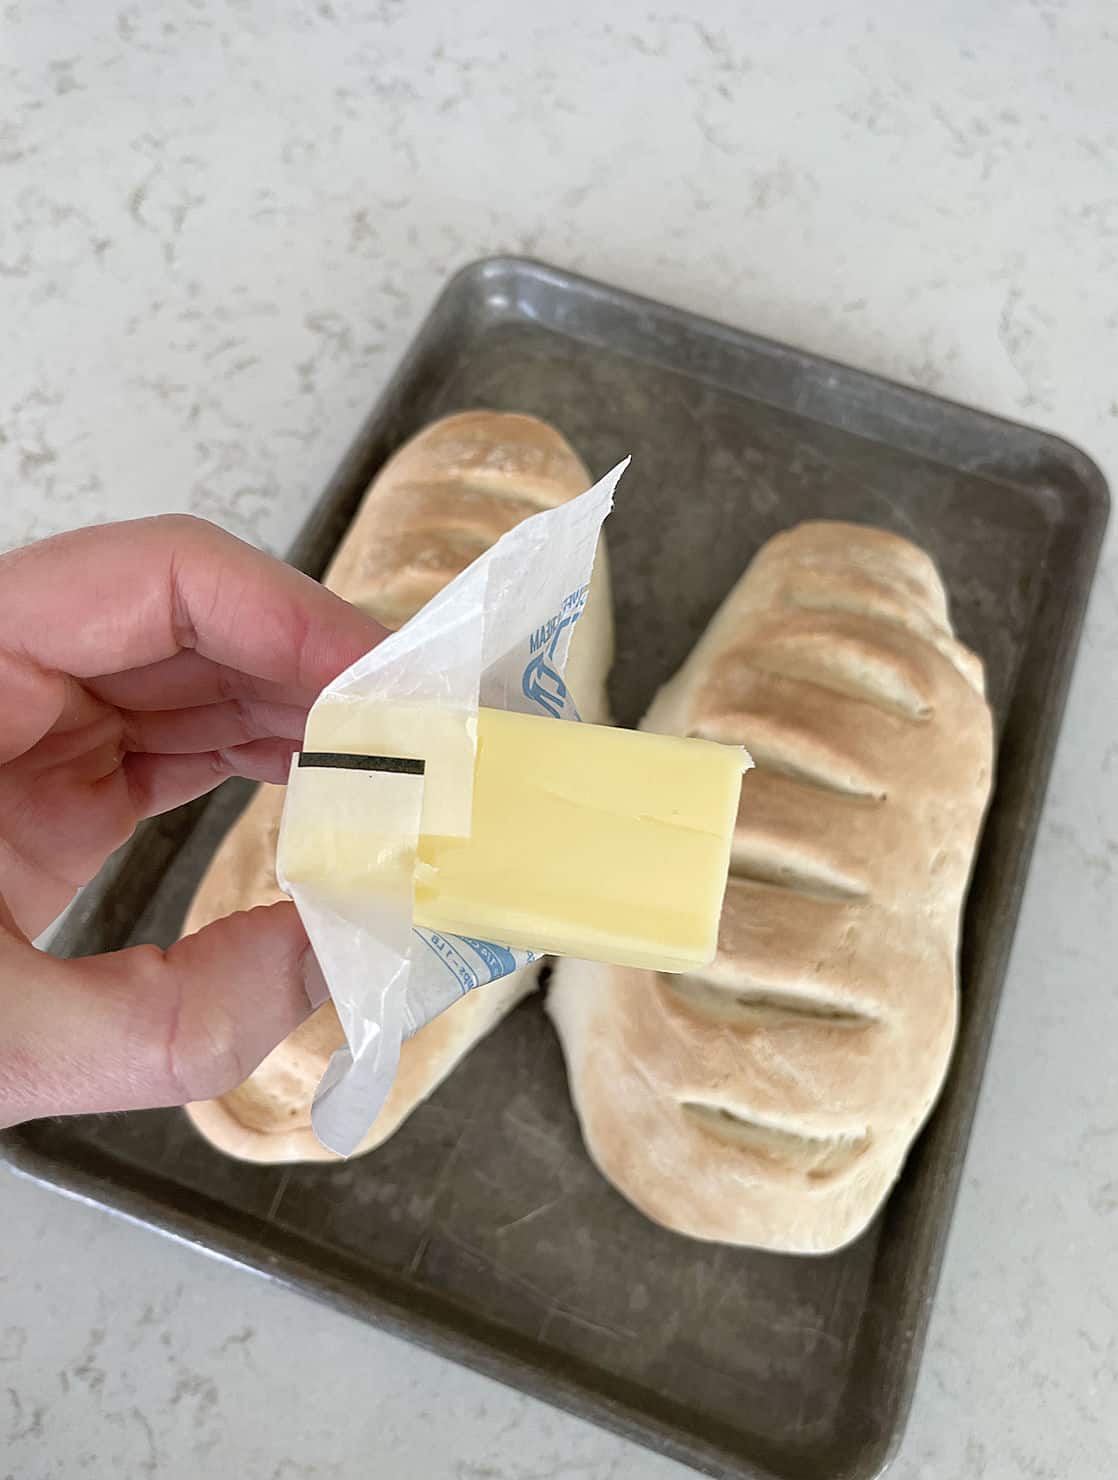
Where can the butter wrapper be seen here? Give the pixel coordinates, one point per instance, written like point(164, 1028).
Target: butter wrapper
point(498, 635)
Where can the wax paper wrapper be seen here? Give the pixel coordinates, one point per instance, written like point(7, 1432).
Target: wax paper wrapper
point(498, 635)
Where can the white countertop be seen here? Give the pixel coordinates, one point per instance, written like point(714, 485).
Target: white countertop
point(220, 221)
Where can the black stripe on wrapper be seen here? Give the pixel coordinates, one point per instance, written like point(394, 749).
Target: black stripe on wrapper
point(339, 761)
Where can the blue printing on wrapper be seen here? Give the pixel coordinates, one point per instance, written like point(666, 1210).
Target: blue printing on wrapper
point(542, 684)
point(472, 962)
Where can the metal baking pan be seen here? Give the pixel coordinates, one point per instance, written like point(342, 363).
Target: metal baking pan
point(481, 1228)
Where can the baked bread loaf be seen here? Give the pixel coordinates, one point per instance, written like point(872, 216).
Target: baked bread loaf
point(441, 501)
point(770, 1099)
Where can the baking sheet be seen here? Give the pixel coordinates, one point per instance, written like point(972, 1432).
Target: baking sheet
point(481, 1228)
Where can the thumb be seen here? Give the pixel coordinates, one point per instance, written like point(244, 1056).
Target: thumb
point(146, 1027)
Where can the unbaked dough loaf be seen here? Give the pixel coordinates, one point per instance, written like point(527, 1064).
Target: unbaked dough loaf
point(441, 501)
point(770, 1099)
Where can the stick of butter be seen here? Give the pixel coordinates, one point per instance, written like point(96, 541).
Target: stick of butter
point(582, 840)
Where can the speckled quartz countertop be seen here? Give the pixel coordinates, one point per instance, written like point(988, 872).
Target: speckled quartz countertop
point(220, 220)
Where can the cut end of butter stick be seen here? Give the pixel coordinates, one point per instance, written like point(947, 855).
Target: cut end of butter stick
point(611, 845)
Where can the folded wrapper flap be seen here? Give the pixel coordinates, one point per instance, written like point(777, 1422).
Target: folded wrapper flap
point(359, 795)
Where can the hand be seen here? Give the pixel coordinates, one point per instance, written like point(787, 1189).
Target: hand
point(140, 664)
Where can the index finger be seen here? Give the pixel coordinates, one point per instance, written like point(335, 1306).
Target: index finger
point(118, 596)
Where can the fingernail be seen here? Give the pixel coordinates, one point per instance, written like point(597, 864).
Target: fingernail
point(314, 983)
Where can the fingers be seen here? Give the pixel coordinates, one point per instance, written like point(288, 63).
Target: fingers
point(187, 680)
point(120, 596)
point(30, 900)
point(34, 700)
point(145, 1027)
point(212, 726)
point(7, 918)
point(159, 782)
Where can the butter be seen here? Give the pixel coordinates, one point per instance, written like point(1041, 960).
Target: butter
point(611, 845)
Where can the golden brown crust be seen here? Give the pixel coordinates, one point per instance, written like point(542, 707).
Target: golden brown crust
point(770, 1099)
point(443, 499)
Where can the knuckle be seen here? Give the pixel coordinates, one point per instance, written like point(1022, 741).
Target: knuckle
point(230, 684)
point(187, 526)
point(204, 1056)
point(197, 1049)
point(252, 719)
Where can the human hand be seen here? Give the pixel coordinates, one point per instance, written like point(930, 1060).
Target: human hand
point(140, 664)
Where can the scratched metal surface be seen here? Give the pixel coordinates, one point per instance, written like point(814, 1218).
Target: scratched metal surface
point(481, 1228)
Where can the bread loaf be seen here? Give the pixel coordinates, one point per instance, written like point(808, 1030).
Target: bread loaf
point(770, 1099)
point(441, 501)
